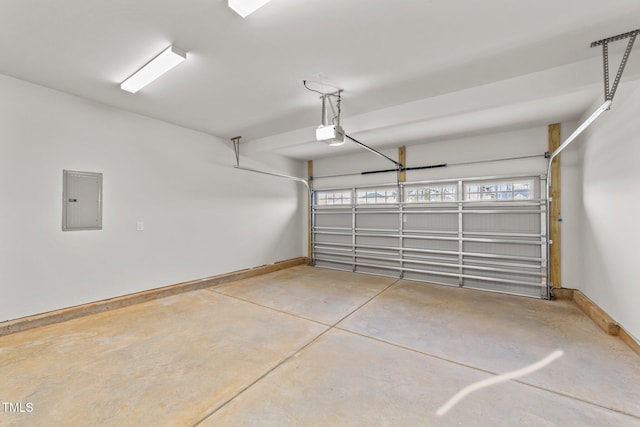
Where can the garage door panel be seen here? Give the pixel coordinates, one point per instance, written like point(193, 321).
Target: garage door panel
point(439, 279)
point(440, 245)
point(530, 269)
point(381, 271)
point(421, 221)
point(430, 258)
point(529, 277)
point(520, 250)
point(333, 238)
point(333, 219)
point(327, 263)
point(372, 220)
point(528, 223)
point(455, 233)
point(384, 241)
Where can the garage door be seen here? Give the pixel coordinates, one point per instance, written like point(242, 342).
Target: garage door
point(484, 233)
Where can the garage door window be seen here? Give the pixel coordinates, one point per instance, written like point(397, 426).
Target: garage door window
point(377, 196)
point(431, 193)
point(499, 190)
point(324, 198)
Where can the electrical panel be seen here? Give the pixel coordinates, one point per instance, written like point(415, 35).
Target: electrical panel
point(81, 201)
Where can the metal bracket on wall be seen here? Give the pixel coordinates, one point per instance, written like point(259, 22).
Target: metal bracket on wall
point(610, 91)
point(236, 148)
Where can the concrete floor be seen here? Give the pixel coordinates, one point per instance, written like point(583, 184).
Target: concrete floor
point(314, 347)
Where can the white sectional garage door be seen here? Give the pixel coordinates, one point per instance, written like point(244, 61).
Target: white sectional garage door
point(486, 233)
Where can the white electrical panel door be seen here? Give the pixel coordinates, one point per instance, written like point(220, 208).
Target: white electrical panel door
point(82, 201)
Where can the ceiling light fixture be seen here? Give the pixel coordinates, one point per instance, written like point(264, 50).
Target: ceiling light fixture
point(245, 8)
point(165, 61)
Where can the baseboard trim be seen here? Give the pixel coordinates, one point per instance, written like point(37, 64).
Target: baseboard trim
point(562, 293)
point(62, 315)
point(629, 340)
point(598, 315)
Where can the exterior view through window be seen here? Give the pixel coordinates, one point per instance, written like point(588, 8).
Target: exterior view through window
point(499, 190)
point(431, 193)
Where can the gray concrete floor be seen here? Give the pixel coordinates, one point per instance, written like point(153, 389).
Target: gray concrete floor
point(314, 347)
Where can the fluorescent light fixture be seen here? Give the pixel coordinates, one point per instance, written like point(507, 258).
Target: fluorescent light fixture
point(331, 134)
point(245, 8)
point(165, 61)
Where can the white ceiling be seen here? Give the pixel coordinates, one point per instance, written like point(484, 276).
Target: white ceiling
point(411, 70)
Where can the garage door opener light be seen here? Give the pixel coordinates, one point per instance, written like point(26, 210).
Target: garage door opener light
point(330, 132)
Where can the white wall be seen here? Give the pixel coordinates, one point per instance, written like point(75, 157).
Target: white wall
point(610, 208)
point(201, 216)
